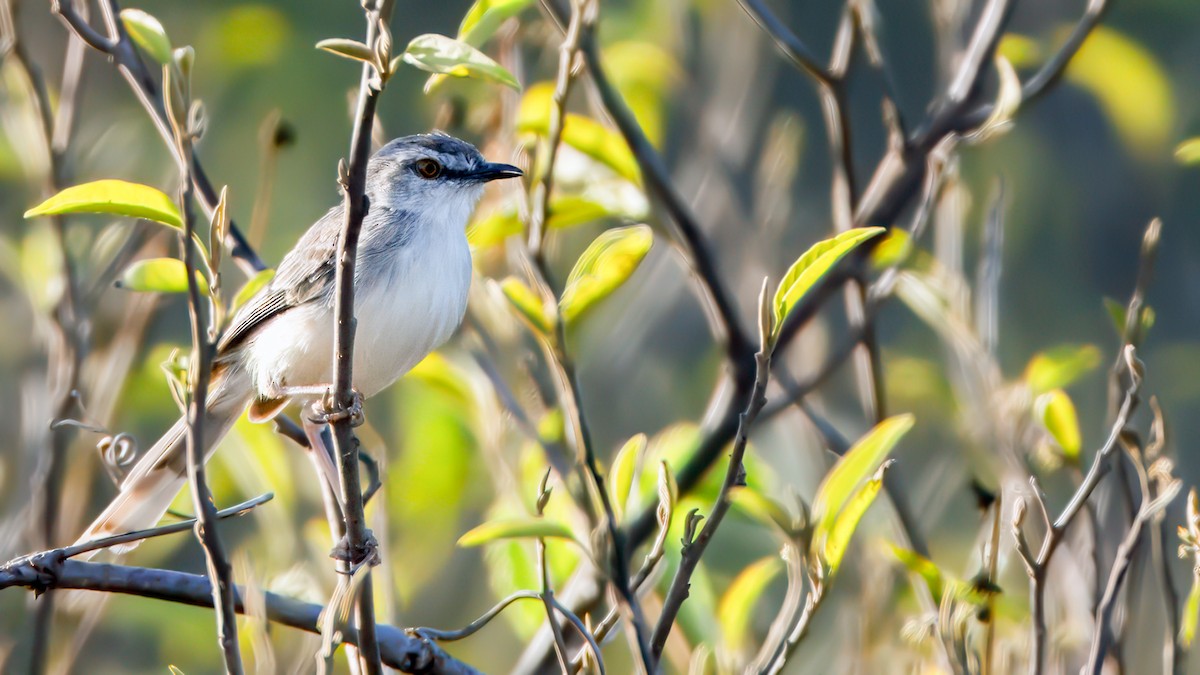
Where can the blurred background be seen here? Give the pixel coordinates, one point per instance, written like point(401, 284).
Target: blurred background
point(1083, 171)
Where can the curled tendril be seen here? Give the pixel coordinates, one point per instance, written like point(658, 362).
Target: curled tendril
point(117, 451)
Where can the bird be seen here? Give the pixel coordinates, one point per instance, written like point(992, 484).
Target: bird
point(412, 276)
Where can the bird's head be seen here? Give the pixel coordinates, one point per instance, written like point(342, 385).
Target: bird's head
point(431, 172)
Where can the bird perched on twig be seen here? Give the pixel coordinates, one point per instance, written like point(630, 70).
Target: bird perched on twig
point(411, 280)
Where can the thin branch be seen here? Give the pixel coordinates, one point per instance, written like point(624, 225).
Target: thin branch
point(1040, 566)
point(398, 649)
point(1103, 638)
point(785, 40)
point(137, 535)
point(123, 54)
point(476, 625)
point(581, 23)
point(219, 570)
point(735, 475)
point(698, 250)
point(360, 545)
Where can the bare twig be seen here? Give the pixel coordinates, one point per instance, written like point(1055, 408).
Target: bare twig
point(352, 176)
point(1103, 638)
point(123, 54)
point(141, 535)
point(785, 40)
point(219, 570)
point(693, 548)
point(398, 649)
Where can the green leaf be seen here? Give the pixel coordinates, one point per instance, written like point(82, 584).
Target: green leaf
point(1059, 366)
point(831, 544)
point(763, 509)
point(564, 211)
point(924, 568)
point(1057, 414)
point(348, 49)
point(1191, 614)
point(255, 284)
point(439, 54)
point(1020, 50)
point(1130, 85)
point(645, 73)
point(112, 196)
point(514, 528)
point(624, 465)
point(892, 250)
point(148, 33)
point(485, 16)
point(735, 611)
point(812, 267)
point(855, 468)
point(1187, 153)
point(606, 264)
point(528, 305)
point(582, 133)
point(160, 275)
point(1117, 310)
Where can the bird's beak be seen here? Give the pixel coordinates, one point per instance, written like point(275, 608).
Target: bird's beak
point(489, 171)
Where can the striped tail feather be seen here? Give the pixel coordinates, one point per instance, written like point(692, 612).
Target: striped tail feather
point(161, 472)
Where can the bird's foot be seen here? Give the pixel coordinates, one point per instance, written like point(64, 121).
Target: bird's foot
point(328, 409)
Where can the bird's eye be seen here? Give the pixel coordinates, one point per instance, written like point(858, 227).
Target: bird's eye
point(428, 168)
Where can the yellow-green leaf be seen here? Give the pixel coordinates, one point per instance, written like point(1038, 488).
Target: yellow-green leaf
point(485, 16)
point(855, 468)
point(147, 33)
point(1059, 366)
point(1057, 414)
point(564, 211)
point(735, 611)
point(112, 196)
point(924, 568)
point(255, 284)
point(762, 509)
point(812, 267)
point(440, 54)
point(1191, 614)
point(161, 275)
point(831, 543)
point(892, 250)
point(624, 465)
point(604, 266)
point(644, 73)
point(528, 305)
point(1020, 50)
point(494, 228)
point(582, 133)
point(1188, 152)
point(515, 528)
point(1117, 312)
point(1130, 85)
point(348, 49)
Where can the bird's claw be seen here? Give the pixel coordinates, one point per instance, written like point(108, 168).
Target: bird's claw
point(328, 410)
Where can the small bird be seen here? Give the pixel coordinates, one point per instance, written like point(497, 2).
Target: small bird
point(411, 280)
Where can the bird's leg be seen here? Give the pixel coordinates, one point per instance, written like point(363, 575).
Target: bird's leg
point(322, 457)
point(324, 408)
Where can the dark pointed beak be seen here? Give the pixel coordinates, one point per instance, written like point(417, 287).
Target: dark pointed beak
point(489, 171)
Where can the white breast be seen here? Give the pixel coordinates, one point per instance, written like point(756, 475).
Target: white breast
point(407, 304)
